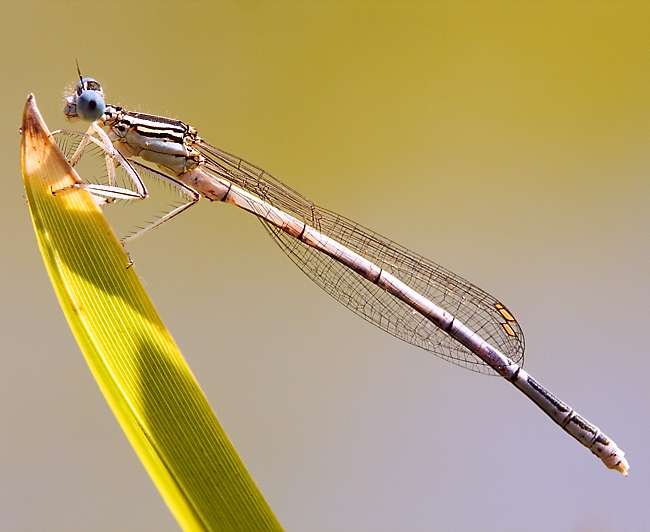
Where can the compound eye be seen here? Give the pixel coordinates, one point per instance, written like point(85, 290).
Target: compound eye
point(90, 105)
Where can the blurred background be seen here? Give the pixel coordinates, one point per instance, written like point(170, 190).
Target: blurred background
point(507, 141)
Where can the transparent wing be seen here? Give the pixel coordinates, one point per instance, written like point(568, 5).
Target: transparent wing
point(474, 307)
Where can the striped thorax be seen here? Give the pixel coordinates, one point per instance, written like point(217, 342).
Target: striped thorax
point(165, 142)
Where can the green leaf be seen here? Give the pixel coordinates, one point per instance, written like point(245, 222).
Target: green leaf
point(133, 358)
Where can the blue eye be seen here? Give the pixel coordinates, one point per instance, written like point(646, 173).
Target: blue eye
point(90, 105)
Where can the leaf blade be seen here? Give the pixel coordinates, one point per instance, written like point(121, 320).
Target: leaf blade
point(132, 356)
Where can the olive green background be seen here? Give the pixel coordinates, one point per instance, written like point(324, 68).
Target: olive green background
point(507, 141)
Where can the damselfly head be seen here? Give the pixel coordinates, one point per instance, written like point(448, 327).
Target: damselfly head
point(86, 101)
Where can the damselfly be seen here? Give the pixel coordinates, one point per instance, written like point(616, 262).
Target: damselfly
point(399, 291)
